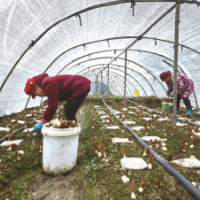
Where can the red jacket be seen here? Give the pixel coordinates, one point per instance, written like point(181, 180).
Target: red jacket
point(61, 88)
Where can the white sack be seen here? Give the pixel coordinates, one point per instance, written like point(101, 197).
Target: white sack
point(133, 163)
point(129, 122)
point(138, 128)
point(120, 140)
point(112, 127)
point(28, 130)
point(187, 162)
point(153, 138)
point(7, 143)
point(4, 129)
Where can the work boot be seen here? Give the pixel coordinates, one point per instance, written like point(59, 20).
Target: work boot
point(189, 112)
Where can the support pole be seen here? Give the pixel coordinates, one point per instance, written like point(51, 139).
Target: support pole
point(176, 42)
point(101, 84)
point(108, 79)
point(97, 85)
point(125, 73)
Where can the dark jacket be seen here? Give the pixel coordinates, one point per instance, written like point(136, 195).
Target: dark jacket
point(61, 88)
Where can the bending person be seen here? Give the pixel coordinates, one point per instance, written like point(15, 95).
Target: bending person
point(185, 87)
point(71, 88)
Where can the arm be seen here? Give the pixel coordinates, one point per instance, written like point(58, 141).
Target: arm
point(170, 87)
point(52, 93)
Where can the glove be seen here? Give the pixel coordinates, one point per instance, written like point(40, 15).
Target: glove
point(168, 93)
point(38, 127)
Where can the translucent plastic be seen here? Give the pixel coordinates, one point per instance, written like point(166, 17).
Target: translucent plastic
point(107, 28)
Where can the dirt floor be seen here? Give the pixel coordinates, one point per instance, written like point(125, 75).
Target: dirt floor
point(93, 178)
point(68, 187)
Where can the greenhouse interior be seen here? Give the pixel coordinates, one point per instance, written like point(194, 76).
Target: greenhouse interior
point(99, 100)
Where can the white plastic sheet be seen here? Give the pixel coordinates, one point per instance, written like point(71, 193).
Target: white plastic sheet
point(120, 140)
point(4, 129)
point(138, 128)
point(133, 163)
point(23, 21)
point(28, 130)
point(187, 162)
point(152, 138)
point(112, 127)
point(7, 143)
point(129, 122)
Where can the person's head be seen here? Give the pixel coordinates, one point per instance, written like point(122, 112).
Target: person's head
point(165, 76)
point(33, 89)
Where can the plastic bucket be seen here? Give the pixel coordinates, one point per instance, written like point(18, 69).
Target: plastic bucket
point(167, 107)
point(60, 148)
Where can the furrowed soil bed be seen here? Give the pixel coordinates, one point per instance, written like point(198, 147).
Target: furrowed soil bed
point(94, 178)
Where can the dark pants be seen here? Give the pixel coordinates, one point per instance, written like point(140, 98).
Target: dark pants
point(72, 106)
point(186, 102)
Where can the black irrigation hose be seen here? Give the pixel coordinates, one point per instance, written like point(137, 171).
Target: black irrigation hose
point(185, 182)
point(21, 128)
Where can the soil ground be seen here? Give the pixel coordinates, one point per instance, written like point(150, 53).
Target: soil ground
point(68, 187)
point(93, 179)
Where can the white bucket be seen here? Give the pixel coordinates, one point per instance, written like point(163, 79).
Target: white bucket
point(60, 147)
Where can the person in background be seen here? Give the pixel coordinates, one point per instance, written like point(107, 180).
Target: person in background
point(185, 87)
point(71, 88)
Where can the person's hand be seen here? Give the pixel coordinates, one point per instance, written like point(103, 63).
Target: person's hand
point(38, 127)
point(168, 93)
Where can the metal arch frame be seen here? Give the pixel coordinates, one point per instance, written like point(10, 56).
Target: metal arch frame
point(110, 50)
point(83, 11)
point(117, 91)
point(113, 82)
point(112, 57)
point(155, 76)
point(111, 64)
point(114, 76)
point(117, 74)
point(118, 38)
point(150, 52)
point(93, 76)
point(135, 63)
point(121, 59)
point(55, 24)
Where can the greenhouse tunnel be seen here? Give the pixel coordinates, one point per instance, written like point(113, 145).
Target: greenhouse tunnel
point(122, 47)
point(67, 37)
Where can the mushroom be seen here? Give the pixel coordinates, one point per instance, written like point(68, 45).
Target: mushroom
point(103, 150)
point(133, 189)
point(194, 139)
point(19, 154)
point(9, 195)
point(11, 146)
point(182, 145)
point(150, 161)
point(142, 186)
point(124, 152)
point(146, 152)
point(125, 179)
